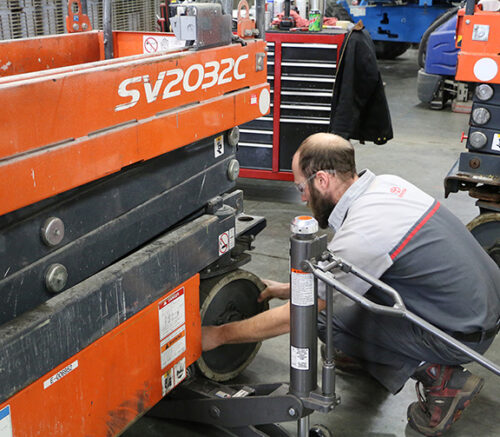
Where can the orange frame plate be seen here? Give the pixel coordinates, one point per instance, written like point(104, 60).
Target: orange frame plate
point(478, 61)
point(103, 388)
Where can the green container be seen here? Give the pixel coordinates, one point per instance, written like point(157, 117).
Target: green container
point(315, 20)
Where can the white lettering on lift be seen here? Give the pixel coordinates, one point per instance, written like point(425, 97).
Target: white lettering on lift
point(176, 81)
point(61, 374)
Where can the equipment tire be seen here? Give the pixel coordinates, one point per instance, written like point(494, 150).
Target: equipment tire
point(486, 230)
point(333, 9)
point(229, 298)
point(319, 431)
point(390, 49)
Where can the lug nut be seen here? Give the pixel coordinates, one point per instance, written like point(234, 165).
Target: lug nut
point(481, 115)
point(474, 163)
point(52, 231)
point(56, 278)
point(484, 92)
point(233, 169)
point(477, 140)
point(233, 136)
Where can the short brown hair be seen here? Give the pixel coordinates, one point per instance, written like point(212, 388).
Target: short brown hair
point(325, 151)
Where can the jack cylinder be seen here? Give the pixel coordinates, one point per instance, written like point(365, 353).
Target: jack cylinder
point(303, 308)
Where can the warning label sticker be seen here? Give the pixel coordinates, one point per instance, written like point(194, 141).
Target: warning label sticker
point(226, 241)
point(155, 44)
point(172, 321)
point(302, 289)
point(219, 146)
point(173, 346)
point(167, 381)
point(180, 371)
point(495, 145)
point(358, 11)
point(5, 422)
point(172, 313)
point(299, 358)
point(173, 376)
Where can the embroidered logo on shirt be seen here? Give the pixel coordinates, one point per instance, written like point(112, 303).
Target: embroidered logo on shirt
point(400, 192)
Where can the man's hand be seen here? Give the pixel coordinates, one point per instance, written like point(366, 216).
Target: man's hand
point(281, 290)
point(211, 337)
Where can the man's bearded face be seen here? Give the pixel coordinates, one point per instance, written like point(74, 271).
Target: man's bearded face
point(321, 206)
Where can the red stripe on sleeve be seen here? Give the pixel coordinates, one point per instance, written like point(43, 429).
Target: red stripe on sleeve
point(415, 230)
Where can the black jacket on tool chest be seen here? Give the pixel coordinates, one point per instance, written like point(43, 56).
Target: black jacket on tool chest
point(359, 107)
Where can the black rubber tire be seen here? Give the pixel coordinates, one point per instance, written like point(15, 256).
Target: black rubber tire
point(486, 229)
point(337, 11)
point(228, 298)
point(320, 431)
point(390, 49)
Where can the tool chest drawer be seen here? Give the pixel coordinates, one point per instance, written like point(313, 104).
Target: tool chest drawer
point(303, 51)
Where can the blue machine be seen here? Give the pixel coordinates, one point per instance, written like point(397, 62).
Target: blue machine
point(394, 25)
point(441, 53)
point(438, 61)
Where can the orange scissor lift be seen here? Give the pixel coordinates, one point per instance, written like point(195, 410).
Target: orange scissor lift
point(114, 174)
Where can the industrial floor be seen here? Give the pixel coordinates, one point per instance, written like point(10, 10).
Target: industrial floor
point(426, 144)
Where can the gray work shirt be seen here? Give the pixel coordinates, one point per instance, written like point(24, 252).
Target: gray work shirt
point(396, 232)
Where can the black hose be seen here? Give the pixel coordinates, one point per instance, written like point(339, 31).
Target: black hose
point(469, 7)
point(422, 48)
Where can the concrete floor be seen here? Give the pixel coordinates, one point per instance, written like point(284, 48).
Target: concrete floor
point(426, 144)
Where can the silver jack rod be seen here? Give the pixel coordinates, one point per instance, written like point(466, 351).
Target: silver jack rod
point(107, 27)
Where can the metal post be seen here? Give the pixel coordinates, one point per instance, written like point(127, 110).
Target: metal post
point(303, 313)
point(227, 7)
point(322, 8)
point(469, 7)
point(328, 371)
point(287, 8)
point(107, 27)
point(84, 7)
point(303, 427)
point(260, 17)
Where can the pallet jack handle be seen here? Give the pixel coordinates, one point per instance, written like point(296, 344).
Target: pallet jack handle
point(397, 310)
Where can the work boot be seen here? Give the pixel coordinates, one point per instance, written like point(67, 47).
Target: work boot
point(343, 361)
point(443, 393)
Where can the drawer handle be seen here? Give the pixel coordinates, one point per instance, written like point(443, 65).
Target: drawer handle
point(307, 64)
point(305, 93)
point(310, 46)
point(256, 131)
point(262, 146)
point(308, 79)
point(303, 121)
point(307, 108)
